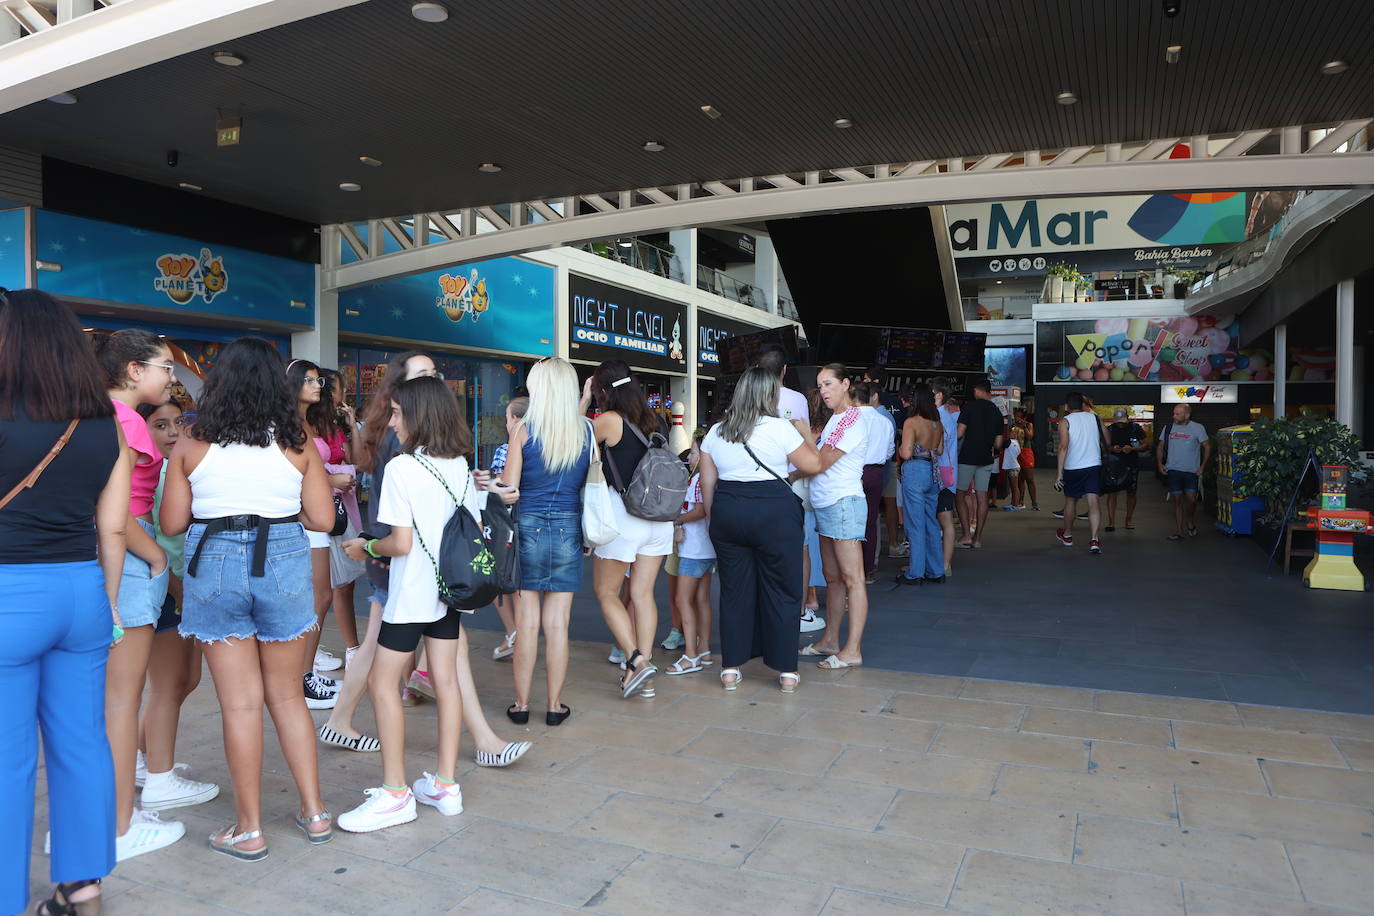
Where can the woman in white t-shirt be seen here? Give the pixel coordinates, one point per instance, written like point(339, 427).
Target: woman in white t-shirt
point(756, 528)
point(837, 496)
point(422, 488)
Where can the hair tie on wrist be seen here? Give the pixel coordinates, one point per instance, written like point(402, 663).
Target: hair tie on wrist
point(621, 381)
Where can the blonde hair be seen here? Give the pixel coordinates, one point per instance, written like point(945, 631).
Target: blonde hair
point(553, 420)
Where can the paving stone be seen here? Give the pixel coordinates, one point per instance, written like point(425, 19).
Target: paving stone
point(816, 695)
point(694, 831)
point(934, 685)
point(1196, 768)
point(664, 735)
point(1001, 884)
point(1229, 860)
point(530, 797)
point(1028, 694)
point(968, 712)
point(1328, 784)
point(1131, 704)
point(1285, 819)
point(682, 778)
point(1043, 833)
point(796, 755)
point(1340, 725)
point(1079, 724)
point(1011, 747)
point(1089, 793)
point(494, 902)
point(1335, 877)
point(824, 799)
point(876, 730)
point(356, 883)
point(916, 770)
point(1225, 901)
point(1359, 754)
point(854, 903)
point(1258, 742)
point(735, 712)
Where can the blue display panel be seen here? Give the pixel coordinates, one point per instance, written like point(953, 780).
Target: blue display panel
point(12, 229)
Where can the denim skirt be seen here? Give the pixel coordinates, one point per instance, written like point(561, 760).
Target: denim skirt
point(551, 551)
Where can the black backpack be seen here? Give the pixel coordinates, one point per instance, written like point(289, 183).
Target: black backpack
point(659, 484)
point(476, 563)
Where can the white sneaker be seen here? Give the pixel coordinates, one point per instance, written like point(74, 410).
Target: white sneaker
point(616, 657)
point(448, 799)
point(141, 769)
point(172, 790)
point(326, 661)
point(811, 621)
point(382, 809)
point(898, 551)
point(147, 833)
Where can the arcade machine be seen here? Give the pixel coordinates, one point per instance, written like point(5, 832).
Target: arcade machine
point(1235, 513)
point(1336, 526)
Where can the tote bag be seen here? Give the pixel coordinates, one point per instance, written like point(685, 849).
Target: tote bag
point(598, 514)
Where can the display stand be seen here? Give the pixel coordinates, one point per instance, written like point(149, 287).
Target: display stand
point(1235, 513)
point(1336, 526)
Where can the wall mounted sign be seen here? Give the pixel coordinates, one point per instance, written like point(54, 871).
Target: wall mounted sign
point(609, 322)
point(1199, 394)
point(119, 264)
point(712, 330)
point(505, 304)
point(1185, 350)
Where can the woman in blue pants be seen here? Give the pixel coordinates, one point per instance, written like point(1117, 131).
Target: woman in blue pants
point(922, 443)
point(57, 621)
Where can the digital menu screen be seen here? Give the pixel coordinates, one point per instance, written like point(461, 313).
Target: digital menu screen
point(962, 351)
point(737, 352)
point(917, 348)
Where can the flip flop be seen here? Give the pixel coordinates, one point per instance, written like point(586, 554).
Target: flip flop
point(1130, 527)
point(1175, 537)
point(1192, 532)
point(1109, 528)
point(812, 650)
point(835, 663)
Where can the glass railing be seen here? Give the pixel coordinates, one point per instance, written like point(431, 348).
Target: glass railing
point(1119, 286)
point(997, 308)
point(722, 284)
point(787, 308)
point(654, 259)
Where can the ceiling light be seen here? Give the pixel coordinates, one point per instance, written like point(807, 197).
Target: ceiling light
point(843, 123)
point(227, 58)
point(653, 146)
point(63, 98)
point(350, 186)
point(188, 186)
point(491, 168)
point(1332, 67)
point(368, 160)
point(1066, 98)
point(626, 243)
point(999, 282)
point(429, 12)
point(711, 112)
point(1172, 53)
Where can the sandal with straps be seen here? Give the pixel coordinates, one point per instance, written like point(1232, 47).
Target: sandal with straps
point(788, 681)
point(61, 903)
point(228, 845)
point(728, 672)
point(316, 838)
point(688, 664)
point(633, 681)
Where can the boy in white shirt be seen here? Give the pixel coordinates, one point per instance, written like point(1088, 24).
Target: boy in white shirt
point(1011, 466)
point(696, 562)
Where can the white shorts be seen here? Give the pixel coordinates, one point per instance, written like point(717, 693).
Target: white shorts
point(638, 537)
point(319, 540)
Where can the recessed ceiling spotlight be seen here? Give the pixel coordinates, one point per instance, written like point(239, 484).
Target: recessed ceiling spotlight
point(1332, 67)
point(369, 160)
point(1172, 54)
point(491, 168)
point(653, 146)
point(843, 123)
point(350, 186)
point(711, 112)
point(1066, 98)
point(63, 98)
point(626, 243)
point(227, 58)
point(429, 12)
point(188, 186)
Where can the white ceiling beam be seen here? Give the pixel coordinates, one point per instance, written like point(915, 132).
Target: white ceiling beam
point(991, 162)
point(1243, 143)
point(445, 226)
point(1154, 149)
point(1070, 156)
point(1309, 170)
point(1339, 136)
point(552, 215)
point(133, 34)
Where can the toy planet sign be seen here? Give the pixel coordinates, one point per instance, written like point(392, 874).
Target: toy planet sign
point(1184, 350)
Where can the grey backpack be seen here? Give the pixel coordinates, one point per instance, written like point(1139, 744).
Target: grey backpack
point(659, 483)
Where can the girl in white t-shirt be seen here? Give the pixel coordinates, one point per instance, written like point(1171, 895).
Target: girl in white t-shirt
point(837, 496)
point(422, 488)
point(696, 562)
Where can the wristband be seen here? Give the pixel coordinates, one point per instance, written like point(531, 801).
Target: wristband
point(367, 548)
point(117, 634)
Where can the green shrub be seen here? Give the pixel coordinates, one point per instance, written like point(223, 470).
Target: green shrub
point(1271, 458)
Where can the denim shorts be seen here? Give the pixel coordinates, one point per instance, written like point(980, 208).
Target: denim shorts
point(223, 600)
point(379, 595)
point(844, 520)
point(1178, 481)
point(141, 594)
point(695, 569)
point(551, 551)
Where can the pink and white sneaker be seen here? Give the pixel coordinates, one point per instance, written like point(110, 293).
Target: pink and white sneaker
point(448, 799)
point(382, 809)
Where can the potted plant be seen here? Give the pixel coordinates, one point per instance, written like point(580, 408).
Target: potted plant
point(1057, 274)
point(1085, 288)
point(1270, 460)
point(746, 293)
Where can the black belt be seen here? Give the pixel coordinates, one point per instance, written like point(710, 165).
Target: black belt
point(256, 523)
point(867, 466)
point(919, 458)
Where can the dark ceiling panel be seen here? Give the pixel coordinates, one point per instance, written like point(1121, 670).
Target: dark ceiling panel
point(563, 94)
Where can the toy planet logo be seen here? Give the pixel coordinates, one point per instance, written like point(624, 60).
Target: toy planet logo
point(183, 277)
point(463, 296)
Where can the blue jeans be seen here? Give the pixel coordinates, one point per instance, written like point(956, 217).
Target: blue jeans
point(813, 547)
point(223, 600)
point(919, 490)
point(55, 628)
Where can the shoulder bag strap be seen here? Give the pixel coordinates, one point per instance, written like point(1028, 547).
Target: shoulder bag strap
point(457, 507)
point(762, 466)
point(42, 466)
point(620, 484)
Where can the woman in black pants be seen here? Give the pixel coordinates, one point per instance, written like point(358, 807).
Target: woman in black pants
point(756, 526)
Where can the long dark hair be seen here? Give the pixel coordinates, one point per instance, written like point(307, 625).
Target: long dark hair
point(115, 352)
point(626, 398)
point(433, 419)
point(323, 415)
point(337, 419)
point(379, 408)
point(248, 399)
point(923, 404)
point(47, 370)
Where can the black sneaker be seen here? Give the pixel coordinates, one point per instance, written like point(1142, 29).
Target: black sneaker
point(319, 694)
point(1058, 513)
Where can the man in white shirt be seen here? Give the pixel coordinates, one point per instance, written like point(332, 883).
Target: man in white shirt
point(879, 446)
point(792, 407)
point(1080, 467)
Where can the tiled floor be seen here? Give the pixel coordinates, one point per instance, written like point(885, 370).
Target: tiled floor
point(866, 792)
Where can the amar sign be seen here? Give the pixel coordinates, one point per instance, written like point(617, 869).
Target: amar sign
point(1062, 226)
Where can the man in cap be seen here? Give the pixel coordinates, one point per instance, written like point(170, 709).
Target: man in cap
point(1125, 442)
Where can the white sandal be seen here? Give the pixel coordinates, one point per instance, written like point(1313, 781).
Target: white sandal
point(685, 665)
point(506, 649)
point(788, 681)
point(731, 685)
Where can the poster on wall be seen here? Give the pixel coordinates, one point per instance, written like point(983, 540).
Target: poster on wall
point(1187, 349)
point(1006, 366)
point(610, 322)
point(503, 304)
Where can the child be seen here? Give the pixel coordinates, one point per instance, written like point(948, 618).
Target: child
point(505, 604)
point(696, 562)
point(675, 638)
point(422, 488)
point(1011, 466)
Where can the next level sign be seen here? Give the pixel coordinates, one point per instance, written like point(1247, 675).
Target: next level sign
point(608, 322)
point(1199, 394)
